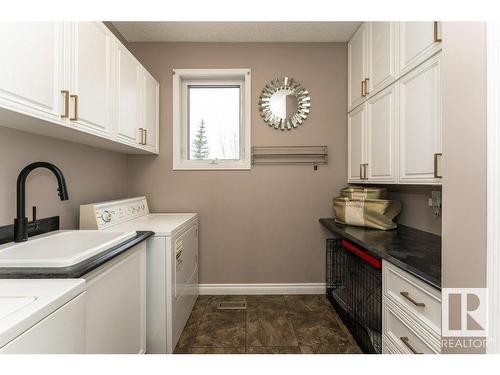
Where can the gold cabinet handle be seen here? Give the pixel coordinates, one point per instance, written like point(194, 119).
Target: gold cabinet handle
point(406, 341)
point(437, 38)
point(407, 296)
point(366, 86)
point(361, 171)
point(66, 103)
point(141, 140)
point(436, 156)
point(75, 98)
point(145, 137)
point(363, 88)
point(365, 167)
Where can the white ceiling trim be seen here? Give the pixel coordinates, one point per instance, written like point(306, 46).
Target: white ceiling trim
point(237, 31)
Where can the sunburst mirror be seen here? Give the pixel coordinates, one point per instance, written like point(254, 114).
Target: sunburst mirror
point(284, 103)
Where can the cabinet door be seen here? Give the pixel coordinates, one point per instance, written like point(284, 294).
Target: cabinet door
point(116, 305)
point(356, 128)
point(381, 135)
point(381, 59)
point(91, 77)
point(150, 92)
point(417, 42)
point(420, 124)
point(128, 87)
point(356, 55)
point(62, 332)
point(31, 68)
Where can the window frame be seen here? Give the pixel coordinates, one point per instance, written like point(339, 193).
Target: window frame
point(182, 78)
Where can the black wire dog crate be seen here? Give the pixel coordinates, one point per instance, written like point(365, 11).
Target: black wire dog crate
point(354, 288)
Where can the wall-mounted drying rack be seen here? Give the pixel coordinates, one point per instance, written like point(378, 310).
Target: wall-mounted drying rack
point(313, 155)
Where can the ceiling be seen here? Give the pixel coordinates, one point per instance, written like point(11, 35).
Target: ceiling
point(237, 31)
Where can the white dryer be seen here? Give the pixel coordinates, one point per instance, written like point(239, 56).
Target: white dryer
point(172, 259)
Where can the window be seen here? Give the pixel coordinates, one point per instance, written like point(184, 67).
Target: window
point(211, 119)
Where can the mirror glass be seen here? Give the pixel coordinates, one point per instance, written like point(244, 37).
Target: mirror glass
point(284, 104)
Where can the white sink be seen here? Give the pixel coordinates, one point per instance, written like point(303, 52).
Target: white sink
point(25, 302)
point(60, 248)
point(9, 305)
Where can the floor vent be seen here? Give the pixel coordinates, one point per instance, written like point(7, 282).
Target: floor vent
point(232, 305)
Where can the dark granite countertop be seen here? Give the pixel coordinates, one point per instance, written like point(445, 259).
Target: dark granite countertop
point(415, 251)
point(77, 270)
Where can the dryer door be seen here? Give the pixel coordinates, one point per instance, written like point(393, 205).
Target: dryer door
point(185, 288)
point(186, 262)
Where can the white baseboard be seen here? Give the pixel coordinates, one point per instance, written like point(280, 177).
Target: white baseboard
point(239, 289)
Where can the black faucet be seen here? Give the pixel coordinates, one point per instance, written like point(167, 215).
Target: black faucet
point(21, 222)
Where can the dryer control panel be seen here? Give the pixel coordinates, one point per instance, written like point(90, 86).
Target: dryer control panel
point(106, 214)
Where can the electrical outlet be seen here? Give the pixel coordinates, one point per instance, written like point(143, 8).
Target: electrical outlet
point(435, 202)
point(436, 198)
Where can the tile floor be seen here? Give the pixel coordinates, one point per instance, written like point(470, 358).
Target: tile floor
point(291, 324)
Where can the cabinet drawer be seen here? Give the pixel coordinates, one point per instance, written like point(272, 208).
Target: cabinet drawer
point(405, 338)
point(420, 300)
point(388, 347)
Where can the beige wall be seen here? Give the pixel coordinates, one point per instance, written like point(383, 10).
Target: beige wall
point(258, 226)
point(416, 212)
point(91, 175)
point(464, 156)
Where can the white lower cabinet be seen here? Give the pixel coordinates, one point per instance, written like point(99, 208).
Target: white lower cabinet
point(411, 312)
point(116, 305)
point(62, 332)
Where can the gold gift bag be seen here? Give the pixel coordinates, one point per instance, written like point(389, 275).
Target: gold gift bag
point(360, 192)
point(371, 213)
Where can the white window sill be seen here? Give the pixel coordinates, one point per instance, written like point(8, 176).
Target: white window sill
point(211, 167)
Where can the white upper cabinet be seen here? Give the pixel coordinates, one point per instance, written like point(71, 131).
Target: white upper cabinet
point(356, 130)
point(356, 56)
point(31, 70)
point(128, 75)
point(76, 81)
point(150, 105)
point(394, 103)
point(417, 42)
point(381, 113)
point(91, 94)
point(420, 124)
point(381, 56)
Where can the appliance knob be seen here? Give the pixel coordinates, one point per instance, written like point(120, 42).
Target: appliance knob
point(106, 216)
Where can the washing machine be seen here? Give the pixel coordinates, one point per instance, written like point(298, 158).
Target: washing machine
point(172, 263)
